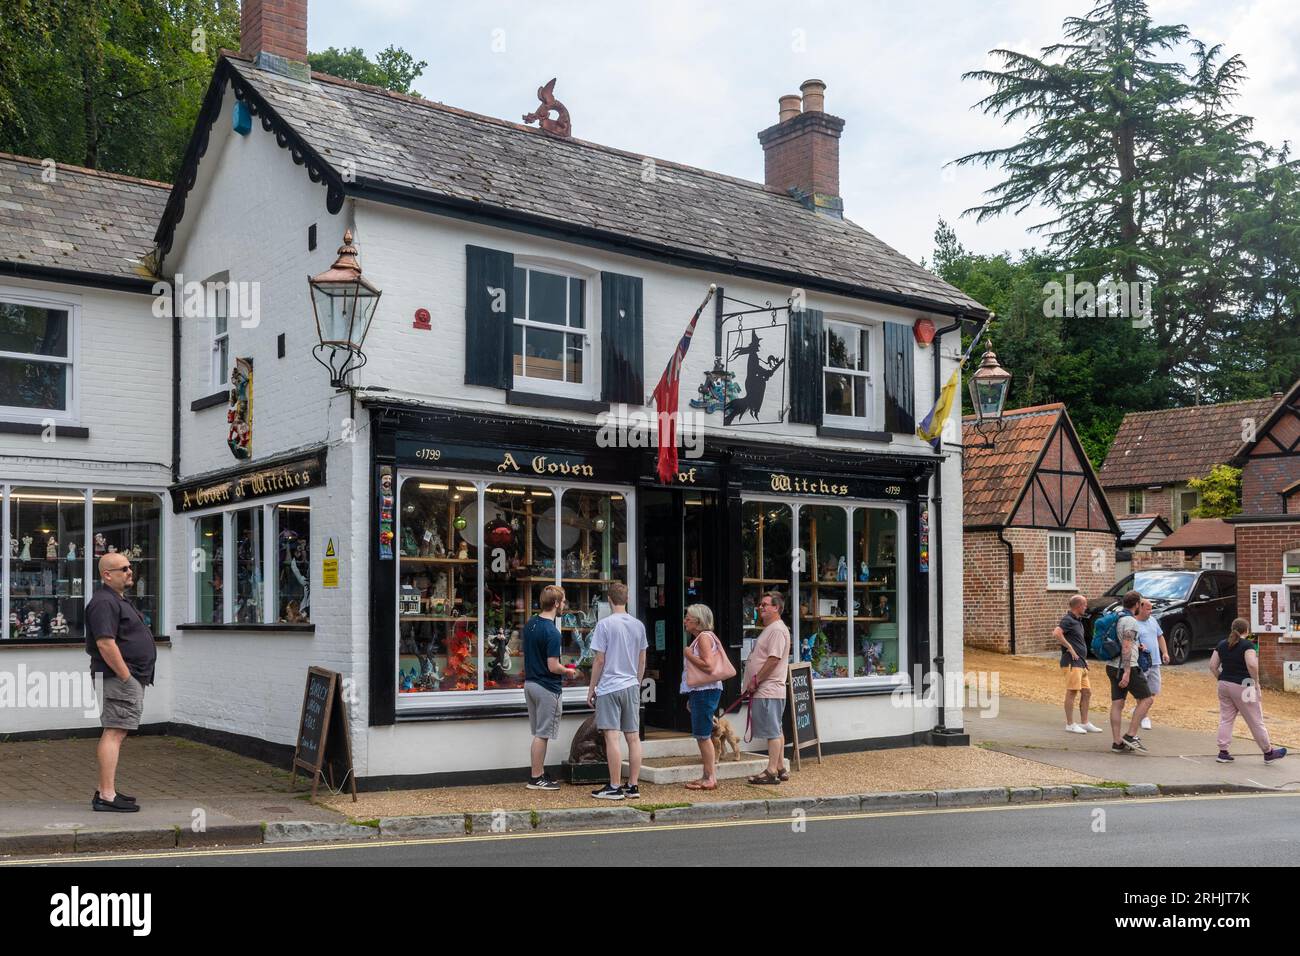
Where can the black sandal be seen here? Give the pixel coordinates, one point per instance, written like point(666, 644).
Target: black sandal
point(765, 778)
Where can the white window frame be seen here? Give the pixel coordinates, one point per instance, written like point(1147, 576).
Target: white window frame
point(1058, 538)
point(219, 372)
point(457, 700)
point(874, 419)
point(588, 387)
point(70, 414)
point(270, 613)
point(902, 584)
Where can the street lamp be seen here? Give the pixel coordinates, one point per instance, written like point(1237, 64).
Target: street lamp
point(988, 394)
point(344, 305)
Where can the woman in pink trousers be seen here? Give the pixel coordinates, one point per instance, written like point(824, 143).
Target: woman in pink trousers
point(1235, 665)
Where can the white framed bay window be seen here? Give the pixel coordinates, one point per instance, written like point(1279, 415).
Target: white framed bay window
point(553, 343)
point(1060, 561)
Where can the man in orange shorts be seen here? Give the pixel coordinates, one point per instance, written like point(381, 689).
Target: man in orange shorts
point(1074, 666)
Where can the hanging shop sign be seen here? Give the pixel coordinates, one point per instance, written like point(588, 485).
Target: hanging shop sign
point(788, 482)
point(756, 362)
point(239, 412)
point(514, 462)
point(298, 474)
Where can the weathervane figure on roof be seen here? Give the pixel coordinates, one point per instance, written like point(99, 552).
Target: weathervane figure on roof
point(558, 126)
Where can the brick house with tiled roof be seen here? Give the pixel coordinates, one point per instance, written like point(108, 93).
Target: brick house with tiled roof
point(1267, 532)
point(1037, 528)
point(1156, 453)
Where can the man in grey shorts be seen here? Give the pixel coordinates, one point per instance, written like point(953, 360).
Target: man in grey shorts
point(544, 683)
point(765, 671)
point(122, 649)
point(620, 645)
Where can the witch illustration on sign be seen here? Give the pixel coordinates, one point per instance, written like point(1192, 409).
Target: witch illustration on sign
point(757, 373)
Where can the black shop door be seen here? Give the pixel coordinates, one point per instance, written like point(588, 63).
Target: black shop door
point(679, 534)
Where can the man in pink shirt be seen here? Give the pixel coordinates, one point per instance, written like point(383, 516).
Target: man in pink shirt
point(765, 671)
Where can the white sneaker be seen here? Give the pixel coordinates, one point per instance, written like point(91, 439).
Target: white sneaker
point(1091, 728)
point(1146, 723)
point(1074, 729)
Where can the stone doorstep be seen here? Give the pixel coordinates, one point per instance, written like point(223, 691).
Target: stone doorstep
point(749, 765)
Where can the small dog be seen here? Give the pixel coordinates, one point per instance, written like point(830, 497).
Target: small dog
point(723, 735)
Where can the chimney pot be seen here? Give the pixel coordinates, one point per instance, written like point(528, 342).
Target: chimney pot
point(814, 95)
point(789, 107)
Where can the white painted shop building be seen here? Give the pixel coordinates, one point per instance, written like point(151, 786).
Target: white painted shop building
point(85, 429)
point(399, 532)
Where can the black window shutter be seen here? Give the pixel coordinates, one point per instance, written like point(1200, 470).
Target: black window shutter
point(622, 353)
point(489, 317)
point(900, 392)
point(806, 367)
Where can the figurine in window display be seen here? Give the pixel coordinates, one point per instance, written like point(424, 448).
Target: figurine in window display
point(15, 626)
point(842, 570)
point(32, 625)
point(864, 572)
point(112, 549)
point(463, 553)
point(409, 547)
point(295, 565)
point(26, 554)
point(59, 626)
point(72, 551)
point(136, 552)
point(101, 545)
point(293, 613)
point(51, 549)
point(501, 663)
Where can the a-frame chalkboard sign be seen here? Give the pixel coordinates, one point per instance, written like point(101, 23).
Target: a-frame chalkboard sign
point(801, 712)
point(324, 746)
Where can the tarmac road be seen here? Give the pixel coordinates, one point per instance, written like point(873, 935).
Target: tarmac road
point(1249, 830)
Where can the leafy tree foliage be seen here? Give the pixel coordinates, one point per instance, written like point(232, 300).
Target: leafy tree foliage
point(392, 68)
point(1220, 492)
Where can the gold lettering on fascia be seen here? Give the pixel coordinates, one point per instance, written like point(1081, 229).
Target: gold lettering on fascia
point(807, 486)
point(542, 465)
point(262, 483)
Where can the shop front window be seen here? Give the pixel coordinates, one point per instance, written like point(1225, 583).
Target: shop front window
point(438, 587)
point(875, 592)
point(767, 543)
point(846, 617)
point(824, 603)
point(47, 539)
point(208, 559)
point(293, 563)
point(132, 525)
point(249, 578)
point(516, 539)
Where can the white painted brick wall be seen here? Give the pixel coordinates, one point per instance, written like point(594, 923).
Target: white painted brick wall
point(21, 663)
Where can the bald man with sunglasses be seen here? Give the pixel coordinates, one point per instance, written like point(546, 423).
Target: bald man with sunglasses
point(121, 648)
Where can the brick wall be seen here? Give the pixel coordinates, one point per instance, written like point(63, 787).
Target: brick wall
point(1164, 559)
point(278, 27)
point(1261, 481)
point(803, 152)
point(1259, 561)
point(1037, 608)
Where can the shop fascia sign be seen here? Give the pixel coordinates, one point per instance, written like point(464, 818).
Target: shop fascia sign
point(833, 486)
point(297, 475)
point(505, 462)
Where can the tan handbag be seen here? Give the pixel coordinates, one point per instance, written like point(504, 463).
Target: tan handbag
point(722, 669)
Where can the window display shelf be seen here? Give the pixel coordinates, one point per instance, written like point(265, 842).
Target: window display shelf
point(826, 617)
point(436, 617)
point(765, 581)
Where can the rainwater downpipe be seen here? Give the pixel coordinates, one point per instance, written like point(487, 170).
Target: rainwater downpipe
point(1011, 587)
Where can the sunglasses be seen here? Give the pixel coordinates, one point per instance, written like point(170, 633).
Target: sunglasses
point(127, 568)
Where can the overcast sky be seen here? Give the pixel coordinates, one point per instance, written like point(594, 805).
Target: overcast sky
point(694, 82)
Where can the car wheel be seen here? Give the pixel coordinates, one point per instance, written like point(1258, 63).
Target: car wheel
point(1180, 643)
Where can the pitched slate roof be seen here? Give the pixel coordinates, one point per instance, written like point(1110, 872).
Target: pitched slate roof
point(84, 221)
point(1201, 534)
point(1175, 444)
point(407, 146)
point(1133, 528)
point(992, 478)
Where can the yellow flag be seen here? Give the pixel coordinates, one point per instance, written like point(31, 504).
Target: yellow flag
point(931, 427)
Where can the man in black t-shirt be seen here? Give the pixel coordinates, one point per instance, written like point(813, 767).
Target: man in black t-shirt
point(1074, 665)
point(122, 649)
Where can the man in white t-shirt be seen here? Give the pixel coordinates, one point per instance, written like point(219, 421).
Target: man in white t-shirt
point(620, 645)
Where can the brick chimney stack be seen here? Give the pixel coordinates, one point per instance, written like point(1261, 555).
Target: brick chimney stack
point(801, 152)
point(274, 34)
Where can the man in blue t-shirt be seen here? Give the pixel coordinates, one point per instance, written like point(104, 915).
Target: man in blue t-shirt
point(543, 683)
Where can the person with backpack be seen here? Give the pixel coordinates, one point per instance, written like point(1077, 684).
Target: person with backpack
point(1117, 641)
point(1154, 652)
point(1074, 665)
point(1235, 665)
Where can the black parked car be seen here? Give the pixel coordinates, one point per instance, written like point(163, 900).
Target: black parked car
point(1195, 608)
